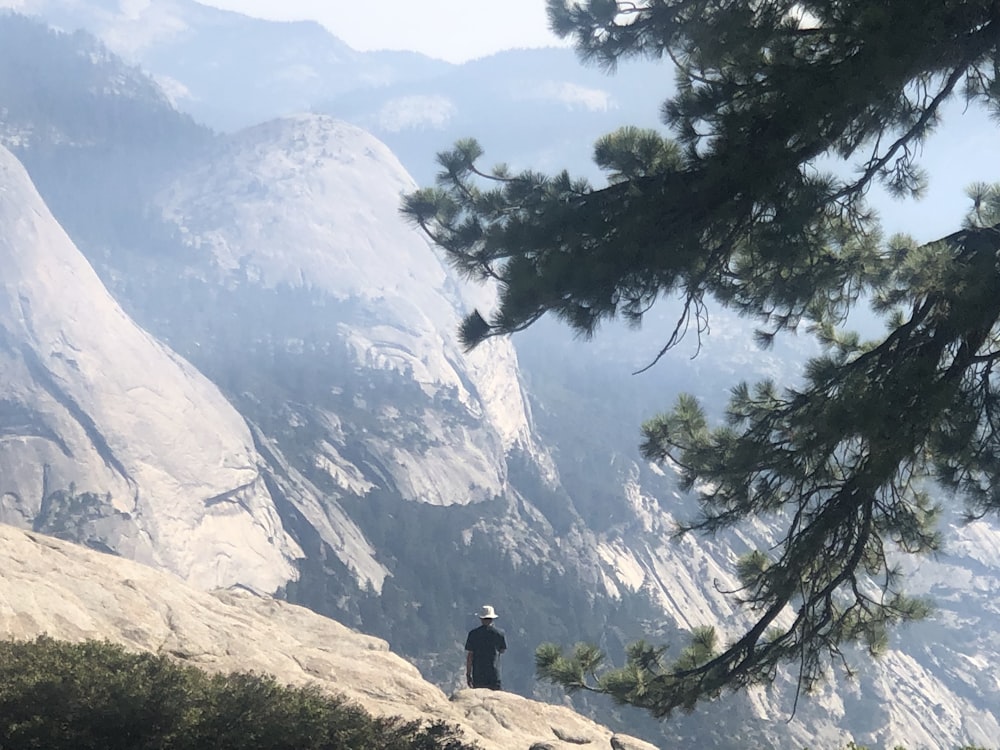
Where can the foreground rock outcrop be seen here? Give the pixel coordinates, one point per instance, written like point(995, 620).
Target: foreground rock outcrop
point(68, 592)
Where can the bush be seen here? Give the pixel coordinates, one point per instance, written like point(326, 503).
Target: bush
point(97, 696)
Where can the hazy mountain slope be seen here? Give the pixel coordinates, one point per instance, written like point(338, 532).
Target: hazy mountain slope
point(529, 108)
point(93, 131)
point(48, 587)
point(533, 107)
point(332, 326)
point(227, 69)
point(100, 137)
point(936, 687)
point(308, 206)
point(108, 436)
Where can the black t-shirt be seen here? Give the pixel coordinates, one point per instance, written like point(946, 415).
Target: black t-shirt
point(486, 643)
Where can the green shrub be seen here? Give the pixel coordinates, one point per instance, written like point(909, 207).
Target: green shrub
point(98, 696)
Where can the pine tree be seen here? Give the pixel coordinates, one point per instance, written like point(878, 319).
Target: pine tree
point(732, 206)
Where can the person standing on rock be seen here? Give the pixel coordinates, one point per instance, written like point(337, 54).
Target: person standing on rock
point(483, 647)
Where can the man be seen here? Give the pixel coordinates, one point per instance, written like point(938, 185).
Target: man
point(483, 647)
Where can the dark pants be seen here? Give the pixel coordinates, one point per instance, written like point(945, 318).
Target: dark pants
point(492, 685)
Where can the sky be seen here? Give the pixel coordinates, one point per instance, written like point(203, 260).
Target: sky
point(452, 30)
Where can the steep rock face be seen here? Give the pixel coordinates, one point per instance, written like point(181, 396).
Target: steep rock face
point(934, 687)
point(108, 436)
point(308, 207)
point(66, 592)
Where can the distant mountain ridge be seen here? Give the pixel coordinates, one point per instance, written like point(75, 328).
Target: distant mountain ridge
point(225, 68)
point(230, 71)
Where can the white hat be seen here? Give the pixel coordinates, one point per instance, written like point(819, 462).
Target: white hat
point(487, 613)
